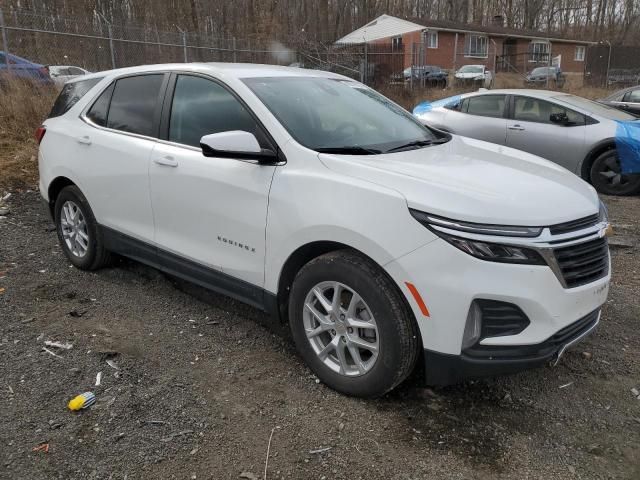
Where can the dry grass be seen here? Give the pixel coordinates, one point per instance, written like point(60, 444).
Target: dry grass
point(23, 107)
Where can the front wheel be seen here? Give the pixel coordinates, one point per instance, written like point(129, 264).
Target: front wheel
point(606, 176)
point(351, 325)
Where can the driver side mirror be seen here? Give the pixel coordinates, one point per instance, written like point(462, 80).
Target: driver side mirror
point(236, 144)
point(559, 118)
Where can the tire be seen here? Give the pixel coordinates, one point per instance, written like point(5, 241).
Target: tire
point(606, 178)
point(84, 253)
point(390, 325)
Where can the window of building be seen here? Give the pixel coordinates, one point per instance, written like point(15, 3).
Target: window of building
point(396, 43)
point(580, 51)
point(476, 46)
point(539, 52)
point(431, 39)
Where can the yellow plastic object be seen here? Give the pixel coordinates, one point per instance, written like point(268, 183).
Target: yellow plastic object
point(81, 401)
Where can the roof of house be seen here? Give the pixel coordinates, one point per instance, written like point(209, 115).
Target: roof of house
point(387, 26)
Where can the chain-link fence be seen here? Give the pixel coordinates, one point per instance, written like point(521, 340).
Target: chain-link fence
point(614, 66)
point(95, 44)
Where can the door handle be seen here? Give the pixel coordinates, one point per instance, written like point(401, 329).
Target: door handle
point(84, 140)
point(167, 161)
point(516, 127)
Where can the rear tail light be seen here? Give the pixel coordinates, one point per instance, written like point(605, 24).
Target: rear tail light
point(40, 133)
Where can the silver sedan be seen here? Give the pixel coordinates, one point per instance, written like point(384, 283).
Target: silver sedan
point(582, 136)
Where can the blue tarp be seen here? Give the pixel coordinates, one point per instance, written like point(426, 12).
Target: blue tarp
point(425, 107)
point(628, 145)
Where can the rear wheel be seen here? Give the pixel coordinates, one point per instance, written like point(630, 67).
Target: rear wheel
point(607, 177)
point(351, 325)
point(77, 231)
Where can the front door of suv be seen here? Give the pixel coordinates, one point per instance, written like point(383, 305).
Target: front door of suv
point(531, 129)
point(209, 211)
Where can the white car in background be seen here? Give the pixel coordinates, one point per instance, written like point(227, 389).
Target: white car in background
point(476, 75)
point(381, 242)
point(61, 74)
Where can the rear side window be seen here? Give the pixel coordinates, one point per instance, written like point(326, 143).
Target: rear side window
point(133, 104)
point(100, 109)
point(633, 96)
point(485, 105)
point(70, 94)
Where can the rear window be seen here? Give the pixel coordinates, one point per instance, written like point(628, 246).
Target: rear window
point(70, 94)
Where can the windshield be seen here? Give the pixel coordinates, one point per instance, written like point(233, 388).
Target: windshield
point(471, 69)
point(326, 114)
point(596, 108)
point(542, 71)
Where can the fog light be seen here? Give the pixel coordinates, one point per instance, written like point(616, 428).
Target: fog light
point(473, 326)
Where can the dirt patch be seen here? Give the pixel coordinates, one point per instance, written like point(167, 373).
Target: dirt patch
point(194, 386)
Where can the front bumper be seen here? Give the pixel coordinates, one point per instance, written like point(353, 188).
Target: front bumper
point(479, 361)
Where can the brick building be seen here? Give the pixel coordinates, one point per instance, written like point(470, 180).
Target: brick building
point(450, 45)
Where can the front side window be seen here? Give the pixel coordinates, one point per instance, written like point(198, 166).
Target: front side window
point(580, 50)
point(133, 104)
point(70, 94)
point(201, 107)
point(326, 113)
point(539, 52)
point(485, 105)
point(529, 109)
point(476, 46)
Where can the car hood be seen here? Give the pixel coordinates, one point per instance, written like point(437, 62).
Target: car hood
point(476, 181)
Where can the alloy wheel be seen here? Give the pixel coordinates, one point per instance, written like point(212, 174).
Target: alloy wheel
point(341, 329)
point(612, 172)
point(74, 229)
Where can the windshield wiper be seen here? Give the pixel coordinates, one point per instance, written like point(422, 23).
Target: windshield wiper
point(417, 144)
point(348, 150)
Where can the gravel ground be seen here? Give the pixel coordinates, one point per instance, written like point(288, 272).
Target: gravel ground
point(200, 387)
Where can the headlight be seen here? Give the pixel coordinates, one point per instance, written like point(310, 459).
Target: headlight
point(603, 213)
point(494, 252)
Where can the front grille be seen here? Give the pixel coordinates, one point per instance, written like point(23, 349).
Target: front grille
point(549, 347)
point(584, 262)
point(574, 225)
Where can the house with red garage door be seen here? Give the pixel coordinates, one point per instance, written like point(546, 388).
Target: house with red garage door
point(451, 45)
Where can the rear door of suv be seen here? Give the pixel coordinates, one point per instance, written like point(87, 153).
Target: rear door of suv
point(112, 149)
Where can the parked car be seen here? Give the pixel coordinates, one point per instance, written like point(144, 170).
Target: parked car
point(431, 75)
point(22, 68)
point(545, 76)
point(477, 75)
point(627, 100)
point(576, 133)
point(311, 196)
point(621, 77)
point(60, 74)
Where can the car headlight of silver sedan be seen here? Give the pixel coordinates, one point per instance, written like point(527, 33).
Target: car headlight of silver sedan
point(489, 251)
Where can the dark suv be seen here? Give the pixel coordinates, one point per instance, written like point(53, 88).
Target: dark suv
point(541, 76)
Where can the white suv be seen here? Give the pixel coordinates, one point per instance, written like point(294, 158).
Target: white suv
point(310, 196)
